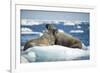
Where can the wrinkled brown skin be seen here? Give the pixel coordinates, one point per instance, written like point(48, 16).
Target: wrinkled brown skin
point(53, 37)
point(67, 40)
point(46, 39)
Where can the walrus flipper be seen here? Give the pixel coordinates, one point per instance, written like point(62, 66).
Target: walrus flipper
point(27, 45)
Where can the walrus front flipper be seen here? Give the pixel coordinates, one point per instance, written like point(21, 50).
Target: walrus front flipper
point(27, 45)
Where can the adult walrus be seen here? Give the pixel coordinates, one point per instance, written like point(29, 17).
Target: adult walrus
point(53, 37)
point(64, 39)
point(46, 39)
point(67, 40)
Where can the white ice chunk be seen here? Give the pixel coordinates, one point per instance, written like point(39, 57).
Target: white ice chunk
point(54, 53)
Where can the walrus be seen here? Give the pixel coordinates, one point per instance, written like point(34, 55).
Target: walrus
point(64, 39)
point(53, 37)
point(47, 39)
point(67, 40)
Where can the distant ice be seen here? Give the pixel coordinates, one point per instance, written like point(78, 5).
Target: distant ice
point(73, 22)
point(79, 27)
point(38, 33)
point(25, 29)
point(76, 31)
point(60, 30)
point(69, 23)
point(30, 22)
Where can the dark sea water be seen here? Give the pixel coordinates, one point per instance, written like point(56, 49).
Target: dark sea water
point(83, 36)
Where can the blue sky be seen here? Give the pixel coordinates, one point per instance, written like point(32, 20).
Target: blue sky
point(53, 15)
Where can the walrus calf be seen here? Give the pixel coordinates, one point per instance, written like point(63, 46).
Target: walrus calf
point(67, 40)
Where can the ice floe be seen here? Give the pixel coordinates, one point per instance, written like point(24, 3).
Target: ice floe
point(54, 53)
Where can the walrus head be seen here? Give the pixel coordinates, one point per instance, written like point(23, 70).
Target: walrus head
point(51, 28)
